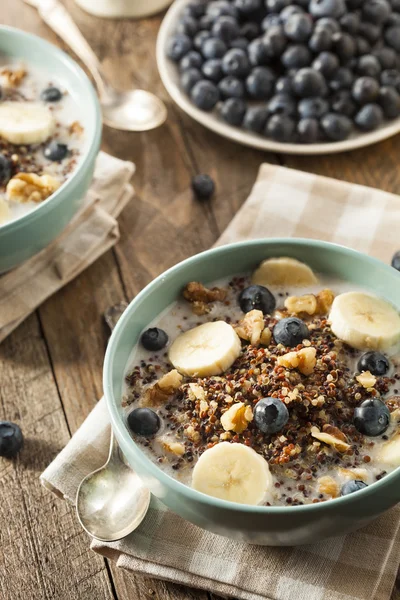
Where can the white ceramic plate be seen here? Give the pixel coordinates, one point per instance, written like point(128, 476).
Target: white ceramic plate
point(169, 76)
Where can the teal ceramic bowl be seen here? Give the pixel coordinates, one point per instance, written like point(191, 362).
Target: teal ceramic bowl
point(23, 237)
point(278, 526)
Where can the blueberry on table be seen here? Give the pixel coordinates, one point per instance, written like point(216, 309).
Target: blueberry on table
point(255, 119)
point(309, 82)
point(296, 56)
point(336, 127)
point(282, 104)
point(192, 60)
point(352, 486)
point(308, 131)
point(231, 87)
point(257, 297)
point(260, 83)
point(154, 339)
point(369, 117)
point(374, 362)
point(270, 415)
point(396, 261)
point(205, 95)
point(326, 63)
point(372, 417)
point(365, 90)
point(203, 186)
point(235, 62)
point(178, 46)
point(391, 78)
point(327, 8)
point(280, 128)
point(5, 169)
point(298, 27)
point(233, 111)
point(389, 100)
point(55, 151)
point(11, 439)
point(189, 78)
point(290, 332)
point(312, 108)
point(225, 28)
point(376, 11)
point(213, 48)
point(51, 94)
point(144, 421)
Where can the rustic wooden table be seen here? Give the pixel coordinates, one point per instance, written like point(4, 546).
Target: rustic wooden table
point(50, 367)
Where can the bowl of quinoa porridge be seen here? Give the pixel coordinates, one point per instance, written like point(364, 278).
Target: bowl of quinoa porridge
point(256, 389)
point(50, 130)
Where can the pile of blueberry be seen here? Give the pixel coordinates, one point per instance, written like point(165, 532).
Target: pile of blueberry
point(292, 70)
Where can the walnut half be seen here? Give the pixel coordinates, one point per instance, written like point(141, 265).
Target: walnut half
point(163, 389)
point(237, 417)
point(29, 187)
point(331, 436)
point(303, 360)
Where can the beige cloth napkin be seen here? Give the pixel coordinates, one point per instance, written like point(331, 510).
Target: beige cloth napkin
point(92, 232)
point(361, 565)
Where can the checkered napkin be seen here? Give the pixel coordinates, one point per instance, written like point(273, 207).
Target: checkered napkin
point(361, 565)
point(92, 232)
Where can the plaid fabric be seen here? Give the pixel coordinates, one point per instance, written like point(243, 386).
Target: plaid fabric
point(359, 566)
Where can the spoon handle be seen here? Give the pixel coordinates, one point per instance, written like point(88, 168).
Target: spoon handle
point(57, 17)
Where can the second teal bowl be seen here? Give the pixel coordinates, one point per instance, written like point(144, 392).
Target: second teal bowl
point(277, 526)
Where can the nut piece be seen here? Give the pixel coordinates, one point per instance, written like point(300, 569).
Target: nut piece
point(197, 292)
point(165, 387)
point(301, 304)
point(12, 78)
point(28, 187)
point(4, 211)
point(76, 128)
point(366, 379)
point(354, 473)
point(327, 485)
point(196, 392)
point(192, 434)
point(251, 327)
point(324, 301)
point(265, 336)
point(237, 417)
point(173, 447)
point(339, 444)
point(304, 360)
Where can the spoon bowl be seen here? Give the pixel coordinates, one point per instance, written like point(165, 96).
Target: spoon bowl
point(133, 110)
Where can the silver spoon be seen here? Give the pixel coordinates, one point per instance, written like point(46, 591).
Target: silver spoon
point(111, 502)
point(132, 110)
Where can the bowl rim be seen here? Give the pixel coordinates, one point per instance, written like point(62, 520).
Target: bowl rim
point(93, 144)
point(119, 425)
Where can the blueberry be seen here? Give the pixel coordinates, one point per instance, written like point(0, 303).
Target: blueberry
point(354, 4)
point(260, 83)
point(192, 60)
point(270, 415)
point(298, 27)
point(370, 31)
point(374, 362)
point(376, 11)
point(369, 117)
point(372, 417)
point(336, 127)
point(342, 103)
point(258, 52)
point(344, 46)
point(247, 6)
point(55, 151)
point(327, 8)
point(188, 26)
point(365, 89)
point(312, 108)
point(233, 111)
point(393, 20)
point(275, 41)
point(280, 128)
point(189, 78)
point(308, 82)
point(213, 48)
point(387, 57)
point(212, 69)
point(395, 5)
point(276, 5)
point(6, 167)
point(354, 485)
point(328, 24)
point(389, 100)
point(11, 439)
point(51, 94)
point(203, 186)
point(320, 41)
point(239, 42)
point(235, 62)
point(343, 78)
point(290, 331)
point(231, 87)
point(200, 38)
point(270, 20)
point(282, 104)
point(178, 46)
point(296, 56)
point(206, 22)
point(283, 86)
point(144, 421)
point(391, 78)
point(326, 63)
point(308, 131)
point(250, 30)
point(205, 95)
point(289, 11)
point(255, 119)
point(154, 339)
point(226, 28)
point(256, 297)
point(194, 9)
point(392, 37)
point(396, 261)
point(350, 22)
point(221, 7)
point(369, 65)
point(362, 45)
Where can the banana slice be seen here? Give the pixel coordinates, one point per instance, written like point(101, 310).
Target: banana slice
point(390, 452)
point(25, 122)
point(284, 271)
point(4, 211)
point(365, 321)
point(233, 472)
point(209, 349)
